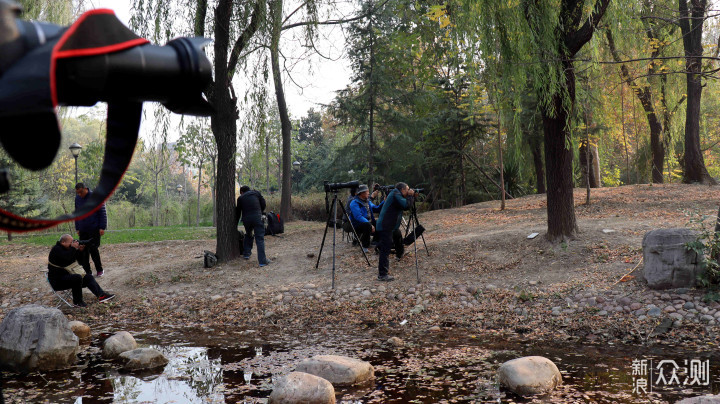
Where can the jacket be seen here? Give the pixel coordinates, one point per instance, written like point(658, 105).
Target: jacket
point(61, 257)
point(96, 221)
point(391, 212)
point(250, 206)
point(360, 210)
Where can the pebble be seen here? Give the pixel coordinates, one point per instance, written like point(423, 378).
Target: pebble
point(635, 306)
point(366, 293)
point(675, 316)
point(654, 312)
point(669, 309)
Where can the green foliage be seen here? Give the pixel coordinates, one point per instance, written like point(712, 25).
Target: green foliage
point(137, 235)
point(707, 248)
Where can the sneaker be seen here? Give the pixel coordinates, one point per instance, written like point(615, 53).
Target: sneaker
point(365, 250)
point(385, 278)
point(247, 257)
point(265, 263)
point(105, 298)
point(80, 305)
point(100, 273)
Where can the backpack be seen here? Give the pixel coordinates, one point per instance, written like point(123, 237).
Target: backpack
point(210, 260)
point(275, 224)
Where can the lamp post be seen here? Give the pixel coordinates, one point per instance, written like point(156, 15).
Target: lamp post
point(75, 150)
point(296, 165)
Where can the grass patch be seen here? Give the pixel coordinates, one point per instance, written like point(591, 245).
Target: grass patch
point(140, 235)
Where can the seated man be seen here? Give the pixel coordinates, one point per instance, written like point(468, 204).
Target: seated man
point(361, 215)
point(63, 257)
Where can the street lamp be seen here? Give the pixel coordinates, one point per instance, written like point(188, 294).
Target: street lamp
point(179, 188)
point(75, 150)
point(296, 165)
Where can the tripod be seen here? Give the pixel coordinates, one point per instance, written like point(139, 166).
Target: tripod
point(333, 209)
point(413, 220)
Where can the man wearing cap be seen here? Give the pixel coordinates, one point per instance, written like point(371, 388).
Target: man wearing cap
point(361, 214)
point(399, 199)
point(90, 229)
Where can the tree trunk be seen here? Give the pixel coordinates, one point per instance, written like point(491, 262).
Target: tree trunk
point(691, 24)
point(536, 149)
point(558, 163)
point(224, 127)
point(644, 95)
point(286, 126)
point(267, 163)
point(371, 128)
point(213, 188)
point(502, 166)
point(197, 216)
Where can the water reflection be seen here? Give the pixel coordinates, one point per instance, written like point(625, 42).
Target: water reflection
point(189, 377)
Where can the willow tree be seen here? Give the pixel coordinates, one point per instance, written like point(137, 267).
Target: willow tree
point(233, 24)
point(535, 42)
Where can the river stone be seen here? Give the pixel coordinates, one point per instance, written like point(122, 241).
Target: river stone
point(396, 342)
point(142, 358)
point(707, 399)
point(338, 370)
point(668, 263)
point(36, 337)
point(80, 329)
point(117, 344)
point(299, 387)
point(529, 375)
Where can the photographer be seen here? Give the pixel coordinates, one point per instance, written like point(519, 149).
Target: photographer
point(388, 226)
point(91, 229)
point(361, 215)
point(63, 257)
point(249, 209)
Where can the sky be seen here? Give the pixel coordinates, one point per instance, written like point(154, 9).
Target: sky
point(319, 87)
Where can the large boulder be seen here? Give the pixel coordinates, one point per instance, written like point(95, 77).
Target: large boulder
point(80, 329)
point(529, 375)
point(302, 388)
point(142, 358)
point(708, 399)
point(36, 337)
point(120, 342)
point(668, 262)
point(338, 370)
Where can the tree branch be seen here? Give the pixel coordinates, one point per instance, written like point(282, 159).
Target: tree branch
point(577, 39)
point(335, 22)
point(258, 14)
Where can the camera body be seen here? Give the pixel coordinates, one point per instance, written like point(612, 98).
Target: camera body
point(85, 242)
point(335, 186)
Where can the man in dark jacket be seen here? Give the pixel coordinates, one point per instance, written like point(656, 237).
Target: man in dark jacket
point(90, 229)
point(399, 199)
point(249, 209)
point(361, 215)
point(63, 255)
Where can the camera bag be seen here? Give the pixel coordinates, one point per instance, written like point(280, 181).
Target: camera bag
point(275, 224)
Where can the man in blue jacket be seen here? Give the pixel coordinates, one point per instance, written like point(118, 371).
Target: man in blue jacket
point(361, 215)
point(399, 199)
point(90, 229)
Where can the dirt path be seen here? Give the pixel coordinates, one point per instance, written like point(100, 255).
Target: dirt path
point(476, 245)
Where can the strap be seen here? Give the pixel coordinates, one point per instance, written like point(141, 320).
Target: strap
point(123, 124)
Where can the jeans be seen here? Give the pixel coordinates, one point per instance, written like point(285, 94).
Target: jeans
point(76, 283)
point(256, 227)
point(90, 251)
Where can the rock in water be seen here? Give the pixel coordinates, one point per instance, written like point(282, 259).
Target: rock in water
point(338, 370)
point(708, 399)
point(36, 337)
point(298, 387)
point(142, 358)
point(668, 262)
point(117, 344)
point(529, 375)
point(80, 329)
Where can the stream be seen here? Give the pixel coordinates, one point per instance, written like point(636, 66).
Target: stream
point(452, 365)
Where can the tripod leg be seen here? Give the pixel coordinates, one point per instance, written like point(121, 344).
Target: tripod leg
point(422, 236)
point(417, 269)
point(354, 232)
point(335, 202)
point(327, 224)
